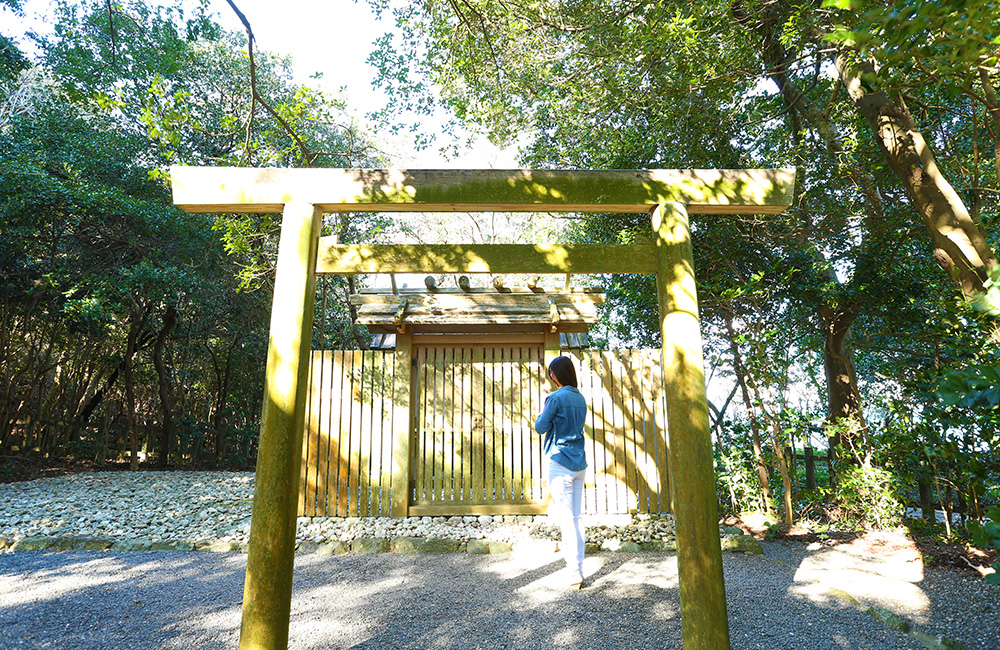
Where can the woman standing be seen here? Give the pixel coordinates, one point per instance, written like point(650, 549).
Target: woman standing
point(561, 422)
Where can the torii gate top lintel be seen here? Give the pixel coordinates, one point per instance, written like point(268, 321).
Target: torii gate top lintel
point(243, 189)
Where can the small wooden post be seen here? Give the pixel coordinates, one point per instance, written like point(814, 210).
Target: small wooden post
point(810, 469)
point(552, 349)
point(926, 498)
point(401, 423)
point(267, 592)
point(704, 619)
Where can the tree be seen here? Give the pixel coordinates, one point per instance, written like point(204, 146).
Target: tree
point(92, 240)
point(547, 68)
point(596, 84)
point(108, 280)
point(790, 33)
point(12, 60)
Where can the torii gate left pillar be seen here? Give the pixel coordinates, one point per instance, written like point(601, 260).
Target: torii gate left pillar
point(267, 590)
point(302, 195)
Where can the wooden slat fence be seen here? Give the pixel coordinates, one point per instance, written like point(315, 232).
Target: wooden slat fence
point(348, 442)
point(473, 449)
point(626, 432)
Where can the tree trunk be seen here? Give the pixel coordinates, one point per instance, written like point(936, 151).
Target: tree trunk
point(961, 248)
point(976, 507)
point(163, 383)
point(786, 479)
point(843, 396)
point(948, 508)
point(765, 482)
point(944, 506)
point(993, 108)
point(98, 397)
point(221, 398)
point(137, 321)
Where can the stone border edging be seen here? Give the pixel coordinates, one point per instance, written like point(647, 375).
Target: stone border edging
point(732, 543)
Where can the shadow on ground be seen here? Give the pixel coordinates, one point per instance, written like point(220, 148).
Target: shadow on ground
point(108, 600)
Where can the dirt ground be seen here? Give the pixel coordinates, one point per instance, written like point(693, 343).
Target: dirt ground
point(957, 556)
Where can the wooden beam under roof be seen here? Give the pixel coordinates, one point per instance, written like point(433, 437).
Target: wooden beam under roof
point(255, 190)
point(364, 291)
point(383, 312)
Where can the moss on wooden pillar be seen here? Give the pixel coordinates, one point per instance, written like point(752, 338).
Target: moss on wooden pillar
point(704, 619)
point(267, 592)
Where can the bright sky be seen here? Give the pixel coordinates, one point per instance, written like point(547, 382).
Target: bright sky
point(333, 37)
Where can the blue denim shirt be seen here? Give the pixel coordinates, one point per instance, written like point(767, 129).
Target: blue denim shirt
point(562, 422)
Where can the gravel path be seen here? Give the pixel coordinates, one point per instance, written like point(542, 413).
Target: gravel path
point(110, 600)
point(794, 597)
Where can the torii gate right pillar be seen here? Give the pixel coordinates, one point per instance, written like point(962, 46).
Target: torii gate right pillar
point(704, 617)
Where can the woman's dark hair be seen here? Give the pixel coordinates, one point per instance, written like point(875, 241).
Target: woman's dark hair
point(563, 370)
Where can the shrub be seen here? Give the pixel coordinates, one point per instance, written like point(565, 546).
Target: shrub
point(988, 536)
point(739, 480)
point(868, 496)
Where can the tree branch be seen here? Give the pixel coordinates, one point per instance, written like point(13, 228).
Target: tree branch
point(255, 96)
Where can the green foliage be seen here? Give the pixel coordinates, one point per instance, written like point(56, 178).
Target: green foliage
point(933, 38)
point(186, 83)
point(93, 247)
point(738, 480)
point(83, 220)
point(988, 536)
point(753, 83)
point(974, 387)
point(868, 496)
point(12, 59)
point(988, 300)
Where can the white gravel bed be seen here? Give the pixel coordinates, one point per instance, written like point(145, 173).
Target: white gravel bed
point(216, 506)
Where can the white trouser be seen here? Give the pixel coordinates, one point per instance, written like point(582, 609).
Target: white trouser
point(566, 489)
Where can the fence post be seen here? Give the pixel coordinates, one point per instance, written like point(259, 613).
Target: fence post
point(402, 415)
point(704, 620)
point(926, 498)
point(551, 346)
point(267, 592)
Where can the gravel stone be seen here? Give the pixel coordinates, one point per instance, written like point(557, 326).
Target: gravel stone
point(163, 508)
point(370, 599)
point(119, 601)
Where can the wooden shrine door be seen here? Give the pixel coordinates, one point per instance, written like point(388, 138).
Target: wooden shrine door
point(474, 450)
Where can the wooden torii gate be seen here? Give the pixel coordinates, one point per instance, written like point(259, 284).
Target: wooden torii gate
point(303, 195)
